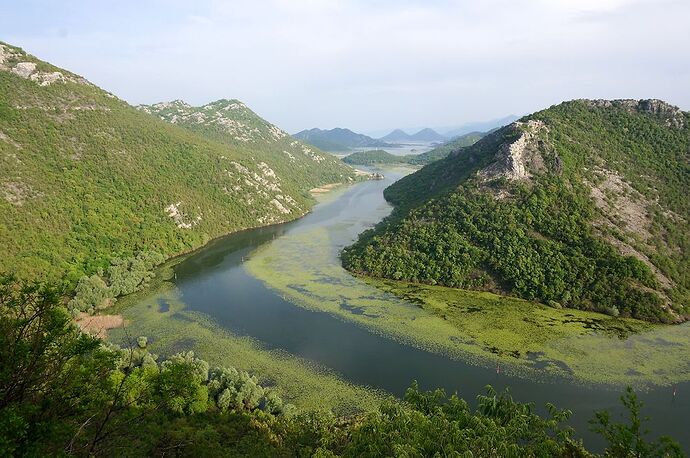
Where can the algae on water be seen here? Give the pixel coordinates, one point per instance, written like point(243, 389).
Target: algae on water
point(483, 328)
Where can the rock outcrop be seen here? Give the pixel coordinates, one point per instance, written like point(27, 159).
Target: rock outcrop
point(520, 158)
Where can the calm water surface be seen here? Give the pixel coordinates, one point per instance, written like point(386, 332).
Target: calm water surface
point(213, 281)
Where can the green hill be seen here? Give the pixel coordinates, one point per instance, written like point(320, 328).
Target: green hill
point(581, 205)
point(338, 139)
point(85, 177)
point(374, 157)
point(299, 167)
point(444, 150)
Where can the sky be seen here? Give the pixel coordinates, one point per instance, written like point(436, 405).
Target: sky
point(367, 65)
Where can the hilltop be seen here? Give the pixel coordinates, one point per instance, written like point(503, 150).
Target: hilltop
point(85, 177)
point(299, 166)
point(338, 139)
point(580, 205)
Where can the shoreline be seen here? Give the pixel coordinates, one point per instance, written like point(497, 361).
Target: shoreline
point(101, 321)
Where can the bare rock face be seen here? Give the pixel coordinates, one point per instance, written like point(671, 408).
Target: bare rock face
point(24, 69)
point(520, 158)
point(29, 70)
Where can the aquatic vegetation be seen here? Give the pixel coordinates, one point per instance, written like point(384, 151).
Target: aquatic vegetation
point(529, 339)
point(172, 329)
point(588, 346)
point(323, 285)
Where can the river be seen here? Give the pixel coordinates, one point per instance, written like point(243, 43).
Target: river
point(216, 283)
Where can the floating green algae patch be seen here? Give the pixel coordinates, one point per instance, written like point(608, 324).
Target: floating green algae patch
point(160, 315)
point(530, 339)
point(300, 266)
point(586, 345)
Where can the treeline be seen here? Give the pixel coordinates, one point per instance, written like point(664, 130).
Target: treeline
point(63, 392)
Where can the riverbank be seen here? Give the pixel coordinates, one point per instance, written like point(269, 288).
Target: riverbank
point(525, 339)
point(160, 314)
point(306, 307)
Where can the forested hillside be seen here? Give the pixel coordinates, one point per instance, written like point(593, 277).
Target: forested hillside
point(299, 166)
point(582, 205)
point(85, 177)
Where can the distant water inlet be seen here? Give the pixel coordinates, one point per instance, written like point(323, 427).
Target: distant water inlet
point(276, 301)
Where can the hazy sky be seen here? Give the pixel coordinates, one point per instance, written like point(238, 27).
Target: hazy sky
point(367, 65)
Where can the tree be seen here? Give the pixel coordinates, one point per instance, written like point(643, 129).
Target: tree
point(91, 293)
point(51, 376)
point(628, 439)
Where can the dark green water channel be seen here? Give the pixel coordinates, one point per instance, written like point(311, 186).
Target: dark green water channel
point(213, 281)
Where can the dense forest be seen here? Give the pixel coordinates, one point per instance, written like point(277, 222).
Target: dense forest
point(581, 205)
point(86, 178)
point(63, 392)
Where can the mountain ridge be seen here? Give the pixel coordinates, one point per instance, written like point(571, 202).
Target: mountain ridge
point(588, 189)
point(426, 135)
point(85, 177)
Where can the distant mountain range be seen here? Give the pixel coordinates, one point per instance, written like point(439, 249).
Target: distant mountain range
point(338, 139)
point(426, 135)
point(448, 132)
point(378, 157)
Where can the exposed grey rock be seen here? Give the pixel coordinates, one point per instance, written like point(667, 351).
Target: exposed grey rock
point(24, 69)
point(520, 158)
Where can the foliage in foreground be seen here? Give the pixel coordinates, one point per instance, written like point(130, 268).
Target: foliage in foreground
point(64, 392)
